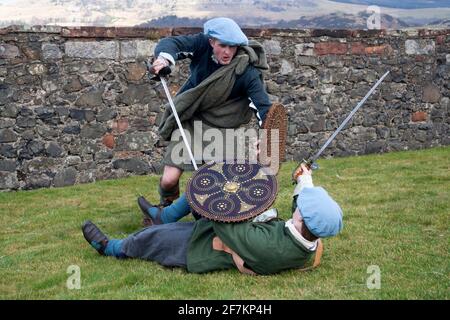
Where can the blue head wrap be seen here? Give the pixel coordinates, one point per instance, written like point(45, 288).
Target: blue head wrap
point(321, 214)
point(226, 31)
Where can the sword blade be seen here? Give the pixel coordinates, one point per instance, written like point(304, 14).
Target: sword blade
point(317, 155)
point(174, 111)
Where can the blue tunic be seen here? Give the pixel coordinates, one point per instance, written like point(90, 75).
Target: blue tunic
point(197, 47)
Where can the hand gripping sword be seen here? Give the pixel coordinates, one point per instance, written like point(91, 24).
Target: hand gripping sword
point(311, 162)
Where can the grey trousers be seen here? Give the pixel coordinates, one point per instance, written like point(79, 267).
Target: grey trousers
point(166, 244)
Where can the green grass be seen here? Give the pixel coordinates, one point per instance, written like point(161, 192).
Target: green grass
point(396, 216)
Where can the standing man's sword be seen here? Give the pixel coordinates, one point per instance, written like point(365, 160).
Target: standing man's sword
point(311, 162)
point(174, 111)
point(163, 72)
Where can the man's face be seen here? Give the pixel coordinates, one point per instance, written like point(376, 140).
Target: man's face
point(223, 53)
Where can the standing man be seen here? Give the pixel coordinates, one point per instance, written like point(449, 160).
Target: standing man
point(224, 90)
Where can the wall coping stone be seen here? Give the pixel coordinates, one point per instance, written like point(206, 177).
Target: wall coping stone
point(156, 33)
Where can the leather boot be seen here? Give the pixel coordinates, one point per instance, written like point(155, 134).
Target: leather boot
point(147, 220)
point(168, 196)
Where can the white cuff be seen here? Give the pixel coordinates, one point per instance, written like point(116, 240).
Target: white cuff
point(304, 181)
point(266, 215)
point(167, 56)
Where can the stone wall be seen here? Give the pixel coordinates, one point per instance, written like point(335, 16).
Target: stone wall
point(76, 104)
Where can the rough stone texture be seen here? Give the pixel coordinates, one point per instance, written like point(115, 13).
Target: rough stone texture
point(76, 105)
point(132, 165)
point(137, 49)
point(92, 49)
point(304, 49)
point(419, 116)
point(419, 47)
point(7, 135)
point(90, 99)
point(9, 180)
point(51, 51)
point(135, 71)
point(65, 177)
point(272, 47)
point(8, 51)
point(322, 48)
point(431, 94)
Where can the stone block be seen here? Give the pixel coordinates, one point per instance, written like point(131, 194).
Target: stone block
point(65, 177)
point(54, 150)
point(92, 49)
point(135, 71)
point(90, 99)
point(307, 61)
point(72, 160)
point(8, 165)
point(37, 69)
point(385, 49)
point(93, 131)
point(304, 49)
point(7, 135)
point(8, 51)
point(31, 53)
point(8, 180)
point(137, 49)
point(137, 166)
point(272, 47)
point(286, 67)
point(136, 94)
point(73, 85)
point(318, 125)
point(324, 48)
point(431, 94)
point(120, 125)
point(138, 141)
point(51, 51)
point(419, 116)
point(7, 150)
point(358, 48)
point(106, 114)
point(419, 47)
point(108, 140)
point(6, 123)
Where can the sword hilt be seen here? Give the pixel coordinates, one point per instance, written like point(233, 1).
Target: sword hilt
point(298, 171)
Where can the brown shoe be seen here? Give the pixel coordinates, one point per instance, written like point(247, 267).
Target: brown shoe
point(147, 220)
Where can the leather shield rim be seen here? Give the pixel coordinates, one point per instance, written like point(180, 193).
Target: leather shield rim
point(277, 115)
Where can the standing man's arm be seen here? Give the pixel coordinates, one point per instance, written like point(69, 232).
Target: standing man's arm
point(258, 96)
point(171, 49)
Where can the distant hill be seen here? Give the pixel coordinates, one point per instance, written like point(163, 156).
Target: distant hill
point(443, 23)
point(328, 21)
point(341, 21)
point(173, 21)
point(163, 13)
point(404, 4)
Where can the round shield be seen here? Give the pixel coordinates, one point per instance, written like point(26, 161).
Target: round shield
point(231, 192)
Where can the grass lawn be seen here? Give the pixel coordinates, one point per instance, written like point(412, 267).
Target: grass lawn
point(396, 217)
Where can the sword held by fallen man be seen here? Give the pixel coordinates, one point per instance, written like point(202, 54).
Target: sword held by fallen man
point(311, 162)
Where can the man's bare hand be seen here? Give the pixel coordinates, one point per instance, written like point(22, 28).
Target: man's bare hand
point(303, 169)
point(306, 170)
point(159, 64)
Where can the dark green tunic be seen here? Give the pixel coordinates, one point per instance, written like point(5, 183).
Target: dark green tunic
point(265, 247)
